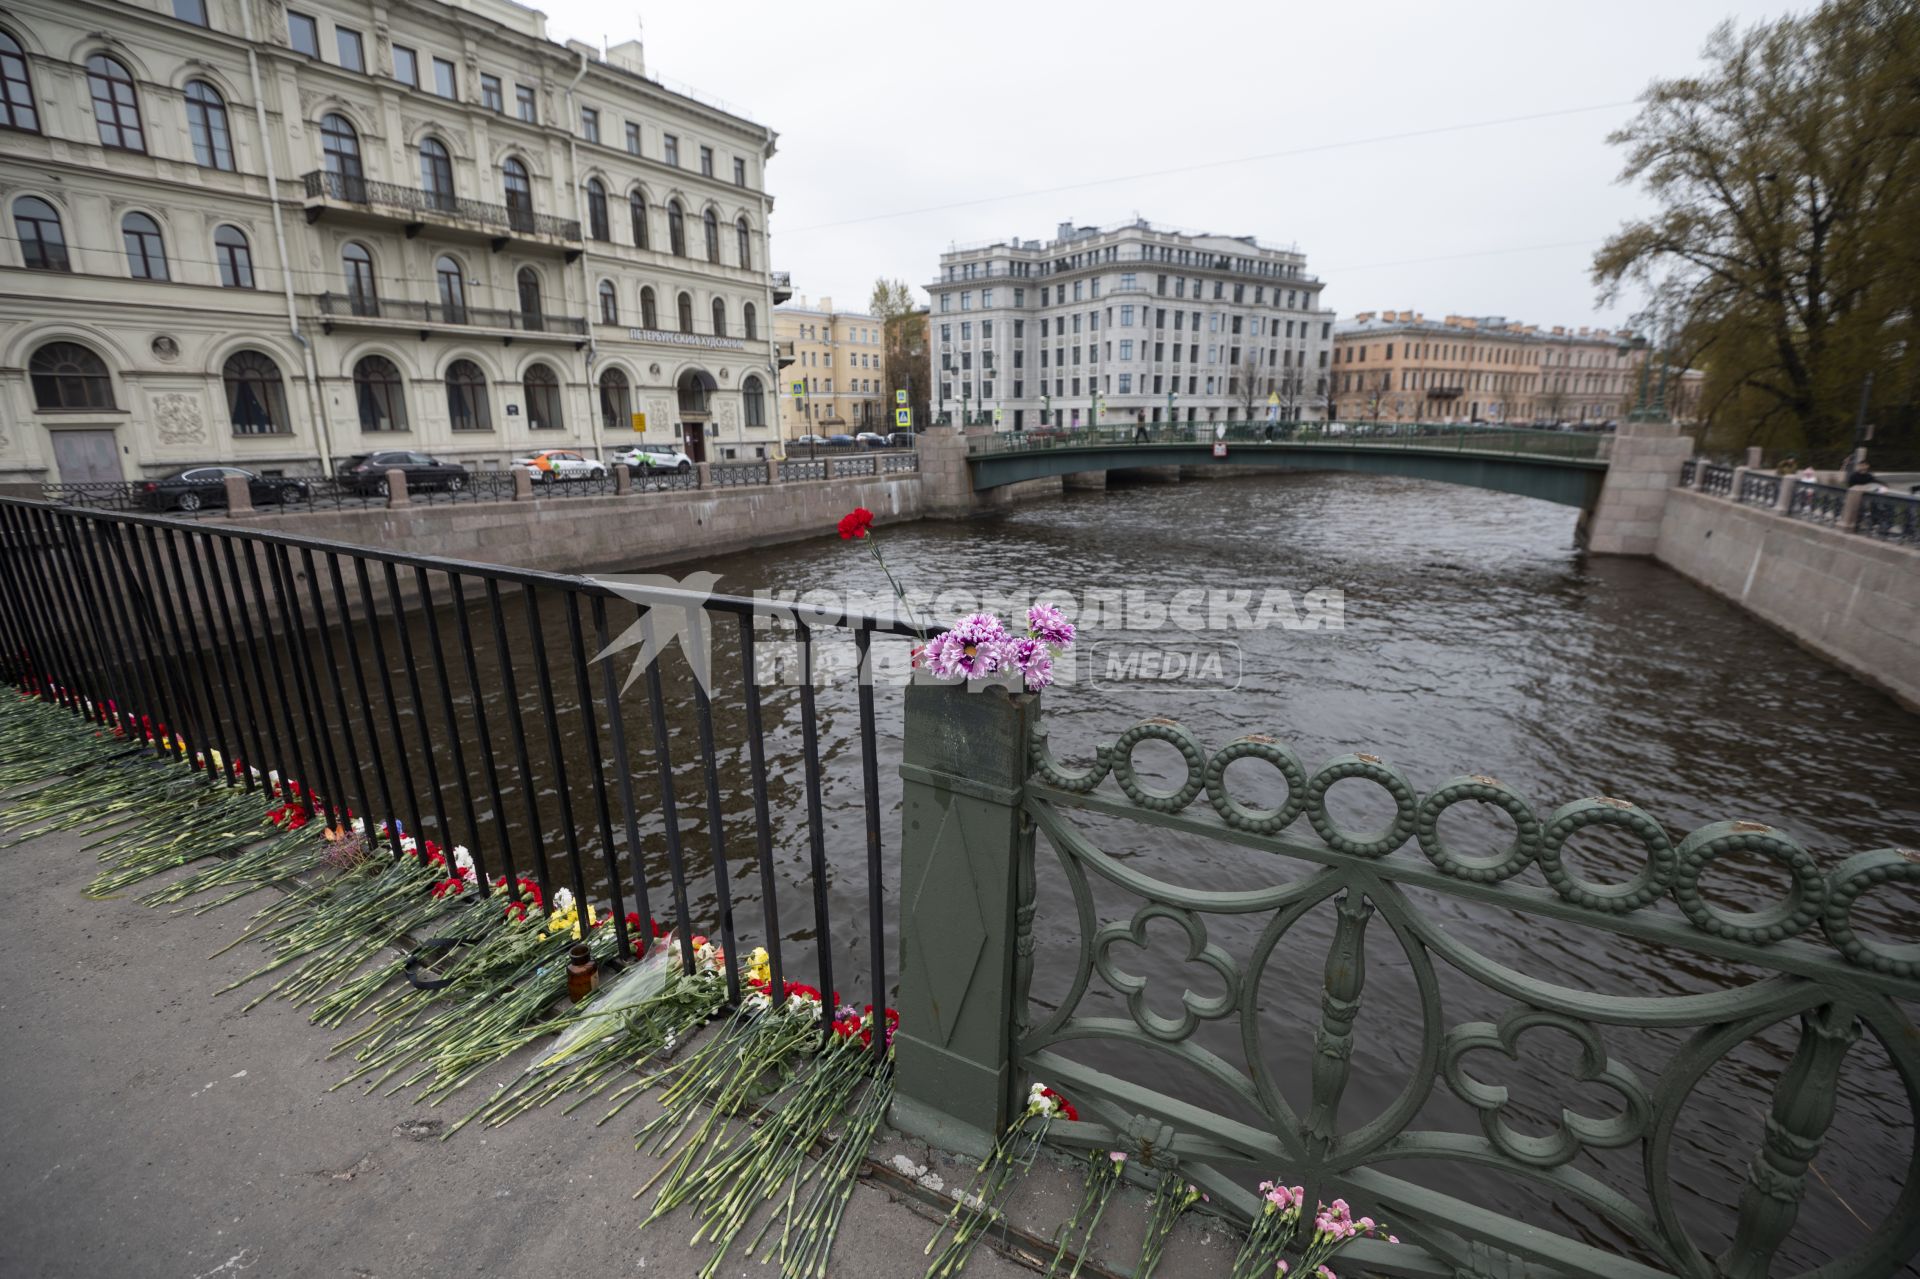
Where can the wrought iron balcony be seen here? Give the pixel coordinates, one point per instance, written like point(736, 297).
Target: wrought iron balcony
point(343, 310)
point(500, 223)
point(782, 286)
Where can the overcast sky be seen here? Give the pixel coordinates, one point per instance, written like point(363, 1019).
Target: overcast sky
point(905, 128)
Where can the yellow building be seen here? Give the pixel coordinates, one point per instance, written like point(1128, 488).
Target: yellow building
point(837, 380)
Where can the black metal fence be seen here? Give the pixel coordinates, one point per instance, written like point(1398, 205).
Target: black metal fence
point(1890, 517)
point(465, 701)
point(1819, 503)
point(1759, 488)
point(1717, 480)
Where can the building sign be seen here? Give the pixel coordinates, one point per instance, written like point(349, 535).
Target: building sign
point(639, 421)
point(705, 340)
point(903, 418)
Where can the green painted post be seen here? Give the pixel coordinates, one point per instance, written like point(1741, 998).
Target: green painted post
point(964, 849)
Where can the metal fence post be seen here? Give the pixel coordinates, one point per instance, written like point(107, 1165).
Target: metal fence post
point(966, 849)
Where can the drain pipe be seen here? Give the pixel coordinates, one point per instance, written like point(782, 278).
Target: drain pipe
point(316, 404)
point(586, 268)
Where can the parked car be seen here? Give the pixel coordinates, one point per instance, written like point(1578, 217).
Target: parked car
point(810, 439)
point(562, 464)
point(367, 472)
point(870, 440)
point(901, 440)
point(203, 486)
point(651, 458)
point(840, 441)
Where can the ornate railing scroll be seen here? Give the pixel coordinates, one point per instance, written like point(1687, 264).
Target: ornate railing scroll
point(1798, 965)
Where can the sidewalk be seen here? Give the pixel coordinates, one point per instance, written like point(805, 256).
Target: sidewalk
point(151, 1129)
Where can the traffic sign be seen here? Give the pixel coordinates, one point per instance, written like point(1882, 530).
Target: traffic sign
point(639, 421)
point(900, 395)
point(903, 418)
point(997, 415)
point(799, 389)
point(1273, 398)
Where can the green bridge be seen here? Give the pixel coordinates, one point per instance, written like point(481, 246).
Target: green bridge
point(1554, 466)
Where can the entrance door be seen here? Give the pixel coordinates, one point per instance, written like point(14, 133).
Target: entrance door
point(693, 440)
point(86, 457)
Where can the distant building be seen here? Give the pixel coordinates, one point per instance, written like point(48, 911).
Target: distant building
point(1399, 366)
point(838, 367)
point(1125, 324)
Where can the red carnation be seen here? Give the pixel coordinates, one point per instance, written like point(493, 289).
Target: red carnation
point(855, 523)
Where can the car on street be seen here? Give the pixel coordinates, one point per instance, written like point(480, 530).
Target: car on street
point(562, 464)
point(650, 458)
point(840, 441)
point(205, 486)
point(870, 440)
point(901, 440)
point(367, 472)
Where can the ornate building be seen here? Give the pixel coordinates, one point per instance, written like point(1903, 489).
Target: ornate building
point(278, 236)
point(839, 368)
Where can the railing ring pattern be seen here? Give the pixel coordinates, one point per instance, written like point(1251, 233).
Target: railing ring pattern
point(1390, 779)
point(1798, 912)
point(1483, 790)
point(1259, 821)
point(1649, 886)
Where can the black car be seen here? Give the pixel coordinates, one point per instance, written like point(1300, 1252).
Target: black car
point(367, 472)
point(204, 486)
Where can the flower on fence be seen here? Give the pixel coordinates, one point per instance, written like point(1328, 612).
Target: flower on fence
point(1043, 1102)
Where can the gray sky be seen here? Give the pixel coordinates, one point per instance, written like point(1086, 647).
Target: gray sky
point(904, 128)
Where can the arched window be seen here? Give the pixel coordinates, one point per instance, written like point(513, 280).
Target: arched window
point(597, 210)
point(710, 222)
point(676, 229)
point(750, 320)
point(378, 394)
point(43, 246)
point(609, 303)
point(362, 296)
point(256, 396)
point(753, 401)
point(340, 157)
point(649, 313)
point(436, 173)
point(116, 110)
point(207, 121)
point(17, 110)
point(637, 210)
point(519, 187)
point(542, 390)
point(453, 290)
point(616, 401)
point(146, 253)
point(686, 313)
point(467, 407)
point(744, 241)
point(719, 318)
point(532, 317)
point(235, 258)
point(66, 375)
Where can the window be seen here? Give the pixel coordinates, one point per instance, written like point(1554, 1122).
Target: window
point(256, 395)
point(719, 318)
point(649, 313)
point(235, 258)
point(676, 229)
point(946, 301)
point(597, 210)
point(303, 33)
point(357, 264)
point(207, 122)
point(16, 87)
point(453, 290)
point(146, 254)
point(378, 394)
point(406, 65)
point(710, 223)
point(340, 158)
point(670, 147)
point(436, 173)
point(524, 103)
point(739, 172)
point(753, 399)
point(353, 53)
point(706, 161)
point(66, 375)
point(519, 189)
point(1126, 349)
point(542, 390)
point(609, 303)
point(194, 11)
point(637, 213)
point(633, 138)
point(750, 321)
point(531, 311)
point(491, 95)
point(116, 111)
point(686, 312)
point(590, 124)
point(445, 82)
point(467, 407)
point(743, 237)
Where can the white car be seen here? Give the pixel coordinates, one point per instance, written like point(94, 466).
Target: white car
point(562, 464)
point(650, 459)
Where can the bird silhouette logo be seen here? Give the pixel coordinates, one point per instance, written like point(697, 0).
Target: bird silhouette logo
point(671, 608)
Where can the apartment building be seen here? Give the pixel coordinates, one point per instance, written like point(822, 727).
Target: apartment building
point(1126, 324)
point(1399, 366)
point(836, 382)
point(277, 235)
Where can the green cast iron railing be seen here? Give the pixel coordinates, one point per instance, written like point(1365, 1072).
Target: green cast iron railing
point(1426, 436)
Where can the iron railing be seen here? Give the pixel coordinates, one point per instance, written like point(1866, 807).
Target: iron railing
point(1687, 469)
point(1759, 488)
point(602, 485)
point(1818, 503)
point(434, 206)
point(463, 702)
point(1890, 517)
point(1509, 441)
point(734, 474)
point(348, 307)
point(891, 463)
point(855, 464)
point(803, 469)
point(1717, 480)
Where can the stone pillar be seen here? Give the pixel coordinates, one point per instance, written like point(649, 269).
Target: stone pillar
point(1755, 457)
point(966, 869)
point(946, 481)
point(1699, 473)
point(773, 470)
point(522, 484)
point(239, 495)
point(1625, 519)
point(1788, 483)
point(622, 479)
point(703, 473)
point(396, 488)
point(828, 468)
point(1739, 478)
point(1850, 508)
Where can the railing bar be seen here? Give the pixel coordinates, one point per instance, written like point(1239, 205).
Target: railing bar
point(816, 825)
point(763, 820)
point(217, 713)
point(536, 847)
point(110, 589)
point(313, 710)
point(172, 641)
point(69, 624)
point(103, 679)
point(265, 763)
point(467, 809)
point(18, 651)
point(551, 715)
point(342, 813)
point(876, 905)
point(421, 724)
point(393, 717)
point(368, 725)
point(623, 772)
point(584, 688)
point(120, 582)
point(485, 735)
point(716, 831)
point(669, 806)
point(140, 595)
point(295, 755)
point(246, 726)
point(51, 674)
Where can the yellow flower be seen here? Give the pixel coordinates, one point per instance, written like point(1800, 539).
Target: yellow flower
point(759, 967)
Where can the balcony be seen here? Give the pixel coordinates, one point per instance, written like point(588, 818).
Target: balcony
point(383, 203)
point(344, 311)
point(782, 286)
point(786, 353)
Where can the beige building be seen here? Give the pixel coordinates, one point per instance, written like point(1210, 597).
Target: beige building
point(239, 231)
point(1399, 366)
point(836, 382)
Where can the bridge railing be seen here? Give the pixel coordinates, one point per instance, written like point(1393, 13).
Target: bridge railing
point(1509, 441)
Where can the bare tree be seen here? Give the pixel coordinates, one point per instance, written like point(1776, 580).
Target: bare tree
point(1250, 382)
point(1374, 392)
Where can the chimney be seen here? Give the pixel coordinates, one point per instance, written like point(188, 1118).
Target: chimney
point(1361, 317)
point(826, 304)
point(629, 55)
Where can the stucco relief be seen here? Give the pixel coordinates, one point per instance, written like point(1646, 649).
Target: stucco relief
point(727, 415)
point(177, 417)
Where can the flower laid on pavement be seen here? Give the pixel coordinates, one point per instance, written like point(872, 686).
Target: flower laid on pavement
point(976, 1206)
point(1274, 1235)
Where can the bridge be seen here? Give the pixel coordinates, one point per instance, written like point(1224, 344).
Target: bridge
point(1554, 466)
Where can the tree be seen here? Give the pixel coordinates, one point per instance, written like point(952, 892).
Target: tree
point(1782, 259)
point(1372, 392)
point(890, 298)
point(1251, 385)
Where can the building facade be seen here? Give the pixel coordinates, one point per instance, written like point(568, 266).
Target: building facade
point(1399, 366)
point(837, 381)
point(276, 237)
point(1128, 324)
